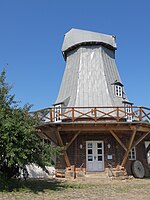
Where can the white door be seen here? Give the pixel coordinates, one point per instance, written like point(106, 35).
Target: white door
point(95, 155)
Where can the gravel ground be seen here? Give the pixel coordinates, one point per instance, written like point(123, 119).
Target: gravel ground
point(93, 189)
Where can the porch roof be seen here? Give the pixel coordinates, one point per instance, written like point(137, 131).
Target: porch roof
point(97, 126)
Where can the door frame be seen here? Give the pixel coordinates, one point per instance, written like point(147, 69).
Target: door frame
point(95, 141)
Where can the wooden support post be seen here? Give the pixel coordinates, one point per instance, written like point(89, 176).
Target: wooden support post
point(118, 140)
point(75, 158)
point(140, 139)
point(129, 148)
point(74, 137)
point(60, 142)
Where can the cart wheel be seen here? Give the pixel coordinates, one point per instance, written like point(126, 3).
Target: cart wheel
point(138, 169)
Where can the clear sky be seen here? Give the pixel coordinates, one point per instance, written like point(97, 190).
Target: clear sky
point(32, 32)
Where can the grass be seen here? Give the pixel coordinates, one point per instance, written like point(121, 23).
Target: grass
point(36, 186)
point(43, 189)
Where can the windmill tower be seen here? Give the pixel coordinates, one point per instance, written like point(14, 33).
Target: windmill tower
point(92, 117)
point(91, 77)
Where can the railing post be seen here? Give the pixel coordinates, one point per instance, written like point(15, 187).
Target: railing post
point(51, 116)
point(37, 115)
point(72, 114)
point(117, 114)
point(140, 115)
point(95, 117)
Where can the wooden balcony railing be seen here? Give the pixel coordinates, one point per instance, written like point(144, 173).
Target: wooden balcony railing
point(95, 114)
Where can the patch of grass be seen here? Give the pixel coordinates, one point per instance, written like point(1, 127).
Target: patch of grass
point(36, 186)
point(134, 185)
point(44, 188)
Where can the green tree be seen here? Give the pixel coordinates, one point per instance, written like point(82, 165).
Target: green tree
point(19, 142)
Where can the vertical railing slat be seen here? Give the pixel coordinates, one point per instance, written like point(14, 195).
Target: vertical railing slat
point(51, 115)
point(72, 114)
point(117, 114)
point(95, 116)
point(140, 115)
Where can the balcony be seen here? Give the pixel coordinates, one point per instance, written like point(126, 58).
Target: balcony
point(93, 114)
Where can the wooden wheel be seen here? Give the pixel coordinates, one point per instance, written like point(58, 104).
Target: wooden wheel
point(138, 169)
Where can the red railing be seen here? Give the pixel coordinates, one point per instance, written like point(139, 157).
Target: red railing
point(96, 114)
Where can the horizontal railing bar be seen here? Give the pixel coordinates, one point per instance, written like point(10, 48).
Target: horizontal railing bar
point(84, 107)
point(145, 108)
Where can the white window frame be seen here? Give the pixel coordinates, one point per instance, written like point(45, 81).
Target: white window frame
point(118, 91)
point(128, 109)
point(132, 154)
point(58, 113)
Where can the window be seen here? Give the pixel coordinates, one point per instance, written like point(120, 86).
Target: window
point(128, 110)
point(118, 90)
point(132, 154)
point(58, 113)
point(90, 158)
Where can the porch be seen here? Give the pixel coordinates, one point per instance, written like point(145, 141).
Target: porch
point(120, 132)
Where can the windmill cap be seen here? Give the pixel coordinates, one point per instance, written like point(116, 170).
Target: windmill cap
point(77, 37)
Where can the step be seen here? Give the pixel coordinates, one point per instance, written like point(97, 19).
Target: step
point(96, 175)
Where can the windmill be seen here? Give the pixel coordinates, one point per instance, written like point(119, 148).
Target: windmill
point(92, 116)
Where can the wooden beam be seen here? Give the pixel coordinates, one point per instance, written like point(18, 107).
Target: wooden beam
point(140, 139)
point(104, 127)
point(50, 138)
point(148, 148)
point(74, 137)
point(60, 142)
point(146, 114)
point(129, 148)
point(118, 140)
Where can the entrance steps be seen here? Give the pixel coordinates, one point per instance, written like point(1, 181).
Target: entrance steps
point(113, 173)
point(95, 175)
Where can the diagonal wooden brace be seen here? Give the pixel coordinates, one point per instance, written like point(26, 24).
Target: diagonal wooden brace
point(60, 142)
point(129, 148)
point(74, 137)
point(118, 140)
point(140, 139)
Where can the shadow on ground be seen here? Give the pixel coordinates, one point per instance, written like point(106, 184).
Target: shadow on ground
point(34, 186)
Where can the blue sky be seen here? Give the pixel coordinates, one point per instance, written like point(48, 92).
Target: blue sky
point(32, 32)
